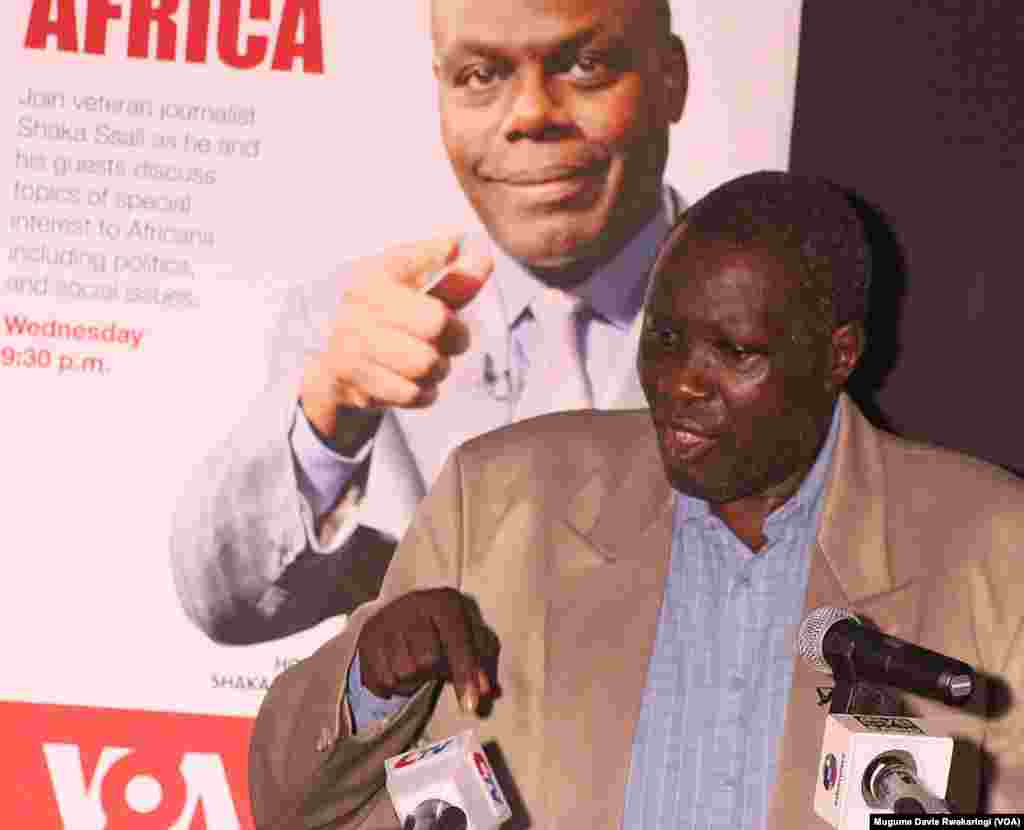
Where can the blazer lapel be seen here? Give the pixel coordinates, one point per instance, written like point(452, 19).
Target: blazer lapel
point(849, 564)
point(602, 612)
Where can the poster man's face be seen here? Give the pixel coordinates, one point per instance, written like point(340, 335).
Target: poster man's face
point(555, 116)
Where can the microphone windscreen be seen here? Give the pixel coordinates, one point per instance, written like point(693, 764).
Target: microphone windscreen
point(812, 634)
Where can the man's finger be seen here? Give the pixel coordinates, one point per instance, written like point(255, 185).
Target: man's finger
point(402, 662)
point(485, 641)
point(455, 338)
point(412, 263)
point(399, 306)
point(455, 633)
point(458, 283)
point(439, 370)
point(405, 354)
point(377, 670)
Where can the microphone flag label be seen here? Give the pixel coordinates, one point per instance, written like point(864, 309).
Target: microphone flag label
point(455, 771)
point(490, 783)
point(411, 758)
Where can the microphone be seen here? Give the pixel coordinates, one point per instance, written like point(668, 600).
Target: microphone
point(835, 637)
point(447, 785)
point(879, 763)
point(497, 383)
point(891, 783)
point(435, 814)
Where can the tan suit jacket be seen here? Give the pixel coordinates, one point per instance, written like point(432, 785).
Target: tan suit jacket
point(560, 528)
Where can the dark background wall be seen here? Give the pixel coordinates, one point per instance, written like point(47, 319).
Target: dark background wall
point(918, 106)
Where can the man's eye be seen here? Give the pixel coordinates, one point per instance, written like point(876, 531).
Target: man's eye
point(591, 69)
point(478, 77)
point(585, 67)
point(662, 338)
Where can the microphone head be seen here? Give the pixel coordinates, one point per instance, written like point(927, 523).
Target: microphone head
point(435, 814)
point(812, 634)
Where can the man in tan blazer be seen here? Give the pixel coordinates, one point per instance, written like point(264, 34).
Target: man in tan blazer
point(557, 535)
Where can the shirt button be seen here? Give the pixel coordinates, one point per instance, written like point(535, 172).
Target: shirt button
point(743, 581)
point(736, 683)
point(729, 783)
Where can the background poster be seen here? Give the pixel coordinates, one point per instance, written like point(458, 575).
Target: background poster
point(166, 174)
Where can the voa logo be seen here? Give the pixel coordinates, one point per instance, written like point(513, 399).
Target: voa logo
point(126, 789)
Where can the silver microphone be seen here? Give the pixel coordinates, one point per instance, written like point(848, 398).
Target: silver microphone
point(891, 782)
point(435, 814)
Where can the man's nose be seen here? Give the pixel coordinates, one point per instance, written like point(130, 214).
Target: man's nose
point(685, 378)
point(536, 111)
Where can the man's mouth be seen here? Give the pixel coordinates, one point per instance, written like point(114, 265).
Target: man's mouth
point(550, 174)
point(686, 439)
point(554, 182)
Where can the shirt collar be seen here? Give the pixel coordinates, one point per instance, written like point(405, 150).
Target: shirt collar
point(615, 291)
point(798, 507)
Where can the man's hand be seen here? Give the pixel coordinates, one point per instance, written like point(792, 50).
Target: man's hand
point(391, 344)
point(426, 635)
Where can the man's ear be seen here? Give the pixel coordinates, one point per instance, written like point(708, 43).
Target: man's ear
point(676, 77)
point(848, 342)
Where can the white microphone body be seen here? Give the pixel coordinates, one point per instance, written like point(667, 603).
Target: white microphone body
point(454, 771)
point(865, 758)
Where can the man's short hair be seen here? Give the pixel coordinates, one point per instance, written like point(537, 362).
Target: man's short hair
point(808, 222)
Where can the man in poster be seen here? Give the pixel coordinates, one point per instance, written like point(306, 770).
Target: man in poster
point(555, 116)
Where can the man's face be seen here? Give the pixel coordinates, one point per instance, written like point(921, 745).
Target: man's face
point(555, 116)
point(741, 386)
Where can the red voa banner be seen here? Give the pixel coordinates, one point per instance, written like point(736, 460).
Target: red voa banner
point(83, 768)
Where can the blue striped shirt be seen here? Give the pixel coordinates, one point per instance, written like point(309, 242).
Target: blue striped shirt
point(706, 744)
